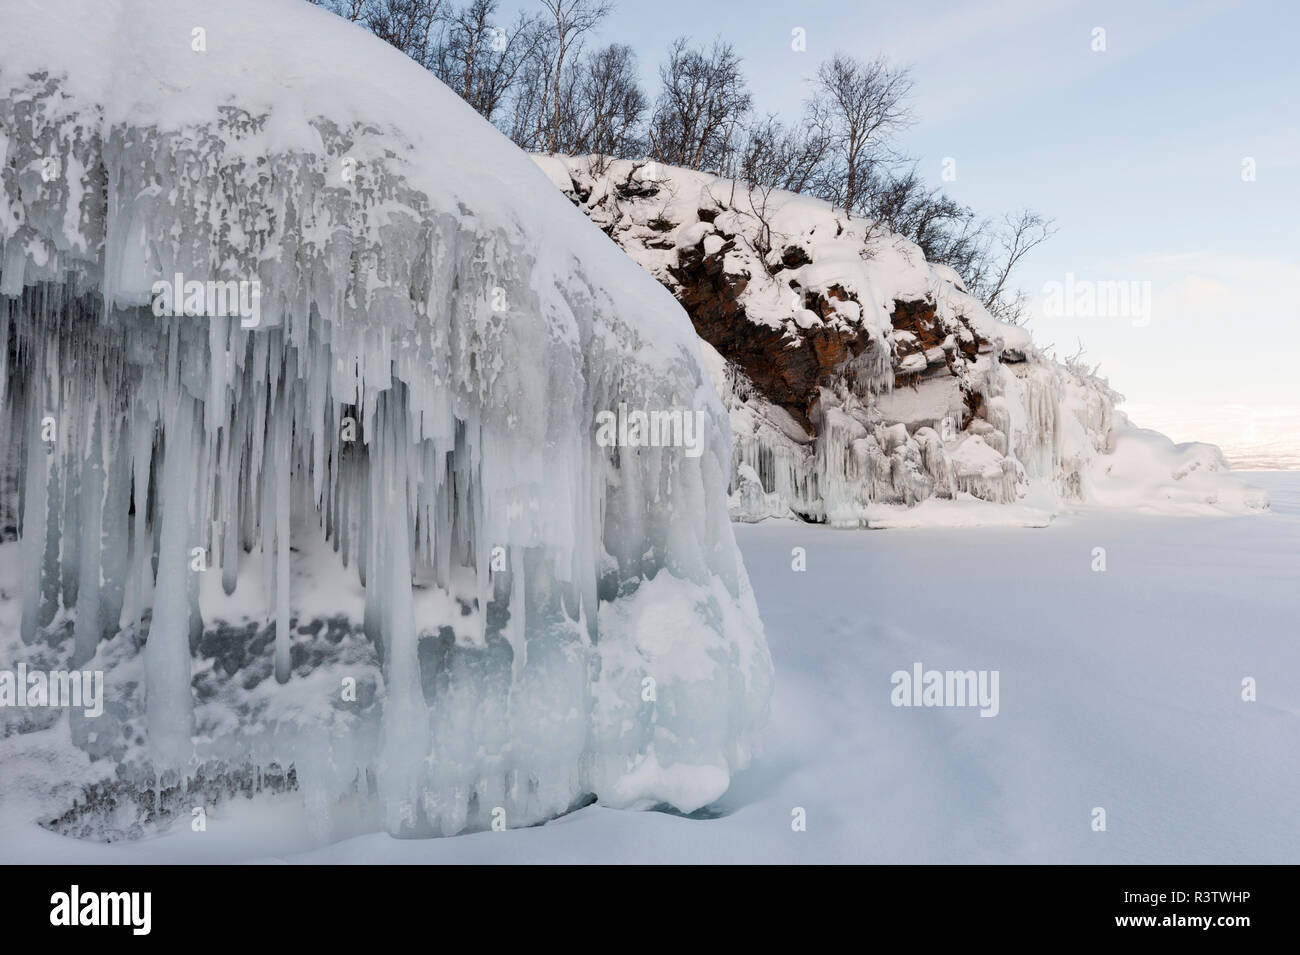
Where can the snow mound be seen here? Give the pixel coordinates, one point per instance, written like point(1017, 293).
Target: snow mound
point(858, 376)
point(403, 378)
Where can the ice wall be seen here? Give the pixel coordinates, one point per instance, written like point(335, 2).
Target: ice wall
point(412, 393)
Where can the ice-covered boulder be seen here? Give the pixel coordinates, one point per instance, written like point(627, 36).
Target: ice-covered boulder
point(290, 334)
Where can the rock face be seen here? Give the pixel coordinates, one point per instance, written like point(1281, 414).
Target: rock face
point(857, 374)
point(790, 364)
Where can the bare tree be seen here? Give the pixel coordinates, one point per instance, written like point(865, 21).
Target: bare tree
point(945, 230)
point(701, 108)
point(1018, 234)
point(985, 255)
point(531, 110)
point(864, 102)
point(482, 61)
point(570, 21)
point(409, 25)
point(790, 158)
point(353, 10)
point(607, 104)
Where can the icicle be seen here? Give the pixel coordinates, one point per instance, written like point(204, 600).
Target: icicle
point(406, 743)
point(4, 359)
point(116, 564)
point(87, 627)
point(142, 434)
point(167, 652)
point(281, 468)
point(35, 532)
point(516, 630)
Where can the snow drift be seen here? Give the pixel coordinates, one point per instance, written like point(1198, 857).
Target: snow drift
point(412, 395)
point(862, 379)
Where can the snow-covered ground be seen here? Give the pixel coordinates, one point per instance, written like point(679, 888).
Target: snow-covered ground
point(1119, 689)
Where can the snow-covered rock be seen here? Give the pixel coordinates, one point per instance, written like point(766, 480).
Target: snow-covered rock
point(385, 442)
point(858, 375)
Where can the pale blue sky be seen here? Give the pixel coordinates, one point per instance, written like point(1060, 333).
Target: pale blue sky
point(1136, 152)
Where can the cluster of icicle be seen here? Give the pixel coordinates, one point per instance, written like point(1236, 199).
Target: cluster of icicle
point(1039, 424)
point(859, 459)
point(390, 405)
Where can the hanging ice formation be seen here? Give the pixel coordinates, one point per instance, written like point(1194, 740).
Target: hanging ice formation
point(861, 378)
point(412, 396)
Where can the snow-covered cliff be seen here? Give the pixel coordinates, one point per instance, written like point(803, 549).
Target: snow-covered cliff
point(374, 420)
point(865, 386)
